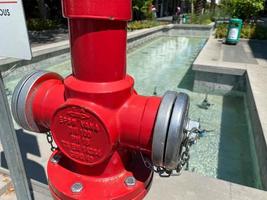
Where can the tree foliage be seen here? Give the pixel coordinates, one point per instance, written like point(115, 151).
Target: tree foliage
point(142, 9)
point(244, 9)
point(43, 9)
point(199, 6)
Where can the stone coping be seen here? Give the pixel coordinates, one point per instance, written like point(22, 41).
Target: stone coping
point(258, 80)
point(211, 60)
point(191, 186)
point(39, 53)
point(54, 49)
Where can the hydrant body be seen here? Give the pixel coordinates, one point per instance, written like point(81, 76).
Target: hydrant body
point(103, 129)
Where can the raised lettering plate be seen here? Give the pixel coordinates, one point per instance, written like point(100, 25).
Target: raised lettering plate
point(81, 135)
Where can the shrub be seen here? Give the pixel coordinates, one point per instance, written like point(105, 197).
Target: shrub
point(142, 9)
point(206, 18)
point(221, 31)
point(136, 25)
point(37, 24)
point(246, 31)
point(243, 9)
point(249, 31)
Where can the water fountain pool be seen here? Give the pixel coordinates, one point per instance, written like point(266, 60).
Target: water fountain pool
point(227, 151)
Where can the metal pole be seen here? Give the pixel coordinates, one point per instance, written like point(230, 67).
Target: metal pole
point(162, 8)
point(11, 148)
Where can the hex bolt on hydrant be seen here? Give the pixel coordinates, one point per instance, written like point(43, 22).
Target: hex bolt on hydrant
point(106, 134)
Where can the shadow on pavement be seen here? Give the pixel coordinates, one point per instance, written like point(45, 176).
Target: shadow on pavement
point(258, 48)
point(28, 145)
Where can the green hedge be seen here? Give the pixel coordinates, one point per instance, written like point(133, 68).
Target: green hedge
point(204, 19)
point(136, 25)
point(243, 9)
point(37, 24)
point(249, 31)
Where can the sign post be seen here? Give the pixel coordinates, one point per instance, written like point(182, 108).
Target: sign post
point(11, 148)
point(14, 40)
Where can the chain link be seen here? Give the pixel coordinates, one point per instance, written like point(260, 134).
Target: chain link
point(50, 140)
point(191, 137)
point(185, 157)
point(159, 170)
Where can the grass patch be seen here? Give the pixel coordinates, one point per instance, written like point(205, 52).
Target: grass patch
point(137, 25)
point(37, 24)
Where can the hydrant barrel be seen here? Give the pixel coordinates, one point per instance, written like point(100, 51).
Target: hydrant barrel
point(98, 36)
point(98, 49)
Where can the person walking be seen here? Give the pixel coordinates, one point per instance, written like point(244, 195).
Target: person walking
point(154, 11)
point(178, 12)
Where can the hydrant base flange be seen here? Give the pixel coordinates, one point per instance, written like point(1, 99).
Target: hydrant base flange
point(97, 183)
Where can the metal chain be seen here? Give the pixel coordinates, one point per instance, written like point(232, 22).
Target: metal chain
point(159, 170)
point(185, 156)
point(191, 137)
point(50, 140)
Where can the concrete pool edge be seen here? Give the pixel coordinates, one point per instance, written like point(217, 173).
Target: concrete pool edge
point(39, 53)
point(135, 38)
point(225, 76)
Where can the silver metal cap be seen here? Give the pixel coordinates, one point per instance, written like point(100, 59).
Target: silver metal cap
point(21, 104)
point(169, 130)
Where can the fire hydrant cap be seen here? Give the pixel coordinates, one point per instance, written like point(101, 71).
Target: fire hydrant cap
point(98, 9)
point(161, 127)
point(169, 130)
point(176, 130)
point(21, 103)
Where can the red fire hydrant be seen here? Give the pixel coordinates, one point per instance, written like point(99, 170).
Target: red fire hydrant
point(105, 132)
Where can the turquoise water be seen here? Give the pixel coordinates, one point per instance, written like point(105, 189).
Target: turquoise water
point(227, 151)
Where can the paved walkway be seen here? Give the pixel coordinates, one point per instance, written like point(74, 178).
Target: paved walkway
point(48, 37)
point(191, 186)
point(219, 57)
point(165, 19)
point(265, 20)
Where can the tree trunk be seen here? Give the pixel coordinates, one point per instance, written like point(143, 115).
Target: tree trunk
point(192, 7)
point(199, 7)
point(42, 9)
point(213, 5)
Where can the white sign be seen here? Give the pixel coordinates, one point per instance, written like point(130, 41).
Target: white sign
point(233, 34)
point(14, 40)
